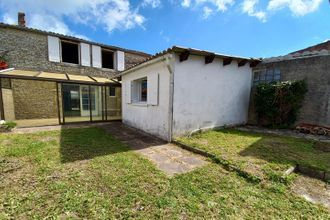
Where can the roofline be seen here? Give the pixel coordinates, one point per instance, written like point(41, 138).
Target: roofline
point(192, 51)
point(33, 30)
point(116, 84)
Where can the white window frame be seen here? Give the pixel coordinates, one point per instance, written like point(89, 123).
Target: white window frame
point(138, 90)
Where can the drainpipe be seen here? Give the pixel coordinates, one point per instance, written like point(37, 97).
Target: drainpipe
point(169, 61)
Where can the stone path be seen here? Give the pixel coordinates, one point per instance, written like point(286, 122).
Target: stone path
point(167, 157)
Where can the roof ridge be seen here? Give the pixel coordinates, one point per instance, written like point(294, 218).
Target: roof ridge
point(71, 37)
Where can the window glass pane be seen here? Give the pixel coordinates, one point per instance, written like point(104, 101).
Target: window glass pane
point(277, 74)
point(263, 76)
point(256, 75)
point(112, 91)
point(270, 75)
point(144, 90)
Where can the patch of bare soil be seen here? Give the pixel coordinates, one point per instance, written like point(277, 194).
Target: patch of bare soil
point(6, 142)
point(49, 138)
point(321, 146)
point(313, 190)
point(9, 164)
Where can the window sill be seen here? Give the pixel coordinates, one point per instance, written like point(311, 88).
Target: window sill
point(142, 104)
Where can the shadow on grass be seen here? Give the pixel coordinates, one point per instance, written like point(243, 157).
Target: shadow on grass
point(87, 143)
point(286, 150)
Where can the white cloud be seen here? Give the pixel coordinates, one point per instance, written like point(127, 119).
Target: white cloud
point(221, 5)
point(297, 7)
point(186, 3)
point(51, 15)
point(207, 12)
point(152, 3)
point(248, 6)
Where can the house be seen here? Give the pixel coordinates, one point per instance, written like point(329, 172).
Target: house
point(57, 79)
point(181, 90)
point(311, 64)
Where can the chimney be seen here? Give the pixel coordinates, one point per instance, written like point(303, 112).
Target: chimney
point(21, 19)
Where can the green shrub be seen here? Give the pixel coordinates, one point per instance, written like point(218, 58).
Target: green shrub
point(278, 103)
point(9, 125)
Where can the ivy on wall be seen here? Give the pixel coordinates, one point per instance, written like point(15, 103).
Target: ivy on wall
point(278, 103)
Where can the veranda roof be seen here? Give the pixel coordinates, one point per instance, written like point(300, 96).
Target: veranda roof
point(56, 77)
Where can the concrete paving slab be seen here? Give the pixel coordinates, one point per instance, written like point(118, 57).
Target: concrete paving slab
point(169, 158)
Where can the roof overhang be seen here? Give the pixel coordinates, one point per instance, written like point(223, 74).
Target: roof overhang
point(184, 53)
point(56, 77)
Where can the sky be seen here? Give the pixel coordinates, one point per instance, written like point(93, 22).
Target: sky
point(251, 28)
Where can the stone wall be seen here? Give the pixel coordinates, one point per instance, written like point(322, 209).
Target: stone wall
point(114, 103)
point(316, 71)
point(29, 51)
point(8, 102)
point(34, 99)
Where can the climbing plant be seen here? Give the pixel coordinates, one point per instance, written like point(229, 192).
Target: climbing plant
point(278, 103)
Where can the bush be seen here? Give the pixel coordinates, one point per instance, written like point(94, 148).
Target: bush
point(278, 103)
point(8, 126)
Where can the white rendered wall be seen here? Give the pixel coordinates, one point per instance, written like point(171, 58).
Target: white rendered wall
point(152, 119)
point(209, 95)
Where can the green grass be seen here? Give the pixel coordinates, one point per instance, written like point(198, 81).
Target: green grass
point(86, 173)
point(263, 155)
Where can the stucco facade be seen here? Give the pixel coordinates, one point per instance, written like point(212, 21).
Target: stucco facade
point(316, 70)
point(207, 96)
point(153, 119)
point(192, 95)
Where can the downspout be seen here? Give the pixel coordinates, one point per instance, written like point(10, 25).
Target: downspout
point(169, 64)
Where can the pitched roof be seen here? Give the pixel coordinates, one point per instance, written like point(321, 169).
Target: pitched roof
point(22, 28)
point(318, 47)
point(192, 51)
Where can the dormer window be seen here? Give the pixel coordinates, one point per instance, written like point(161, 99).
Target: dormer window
point(107, 59)
point(70, 52)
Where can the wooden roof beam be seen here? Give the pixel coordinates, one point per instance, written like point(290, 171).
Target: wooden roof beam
point(241, 63)
point(227, 61)
point(184, 55)
point(254, 63)
point(209, 58)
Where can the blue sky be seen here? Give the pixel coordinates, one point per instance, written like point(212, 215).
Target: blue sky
point(249, 28)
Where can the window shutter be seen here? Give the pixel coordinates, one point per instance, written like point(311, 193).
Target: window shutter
point(96, 54)
point(152, 86)
point(120, 60)
point(85, 54)
point(53, 49)
point(128, 92)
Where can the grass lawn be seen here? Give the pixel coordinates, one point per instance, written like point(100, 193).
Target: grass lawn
point(85, 173)
point(263, 155)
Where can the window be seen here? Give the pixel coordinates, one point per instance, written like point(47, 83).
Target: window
point(266, 76)
point(112, 91)
point(5, 83)
point(107, 59)
point(70, 52)
point(139, 90)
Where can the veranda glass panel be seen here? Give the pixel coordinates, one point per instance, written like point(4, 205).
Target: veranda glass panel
point(75, 101)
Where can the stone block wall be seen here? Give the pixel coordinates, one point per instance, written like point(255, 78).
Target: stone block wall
point(114, 103)
point(8, 101)
point(29, 51)
point(316, 71)
point(34, 99)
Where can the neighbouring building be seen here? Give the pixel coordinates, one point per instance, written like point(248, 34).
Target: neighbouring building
point(181, 90)
point(55, 78)
point(311, 64)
